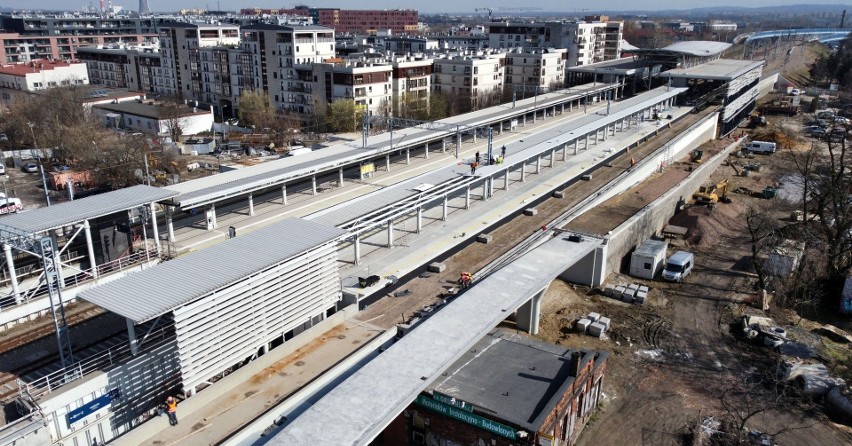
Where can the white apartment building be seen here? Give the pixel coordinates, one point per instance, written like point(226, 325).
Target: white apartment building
point(593, 40)
point(41, 74)
point(280, 62)
point(412, 82)
point(179, 43)
point(478, 77)
point(543, 68)
point(367, 82)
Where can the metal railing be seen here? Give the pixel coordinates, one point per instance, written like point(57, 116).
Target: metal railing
point(54, 380)
point(80, 277)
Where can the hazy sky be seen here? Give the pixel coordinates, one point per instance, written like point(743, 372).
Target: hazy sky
point(426, 7)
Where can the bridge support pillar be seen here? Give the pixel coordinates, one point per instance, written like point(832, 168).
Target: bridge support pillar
point(529, 314)
point(251, 204)
point(419, 219)
point(523, 171)
point(407, 156)
point(340, 177)
point(90, 250)
point(387, 163)
point(524, 120)
point(10, 265)
point(211, 218)
point(59, 273)
point(390, 233)
point(284, 194)
point(490, 187)
point(485, 189)
point(154, 229)
point(170, 223)
point(562, 112)
point(356, 244)
point(550, 160)
point(426, 150)
point(538, 164)
point(443, 145)
point(506, 179)
point(445, 208)
point(586, 146)
point(500, 129)
point(467, 197)
point(131, 337)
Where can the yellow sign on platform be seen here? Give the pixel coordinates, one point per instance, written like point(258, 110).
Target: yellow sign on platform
point(367, 168)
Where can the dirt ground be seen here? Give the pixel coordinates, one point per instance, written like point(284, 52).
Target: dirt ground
point(671, 359)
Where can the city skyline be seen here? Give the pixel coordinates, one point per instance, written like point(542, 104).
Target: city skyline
point(436, 6)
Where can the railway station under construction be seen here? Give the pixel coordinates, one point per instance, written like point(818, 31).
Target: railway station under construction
point(193, 320)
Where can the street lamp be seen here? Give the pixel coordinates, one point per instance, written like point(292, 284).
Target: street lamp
point(40, 165)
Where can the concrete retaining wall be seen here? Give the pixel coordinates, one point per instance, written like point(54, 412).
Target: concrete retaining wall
point(651, 219)
point(766, 85)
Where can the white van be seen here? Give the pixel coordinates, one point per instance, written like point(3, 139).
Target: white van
point(759, 147)
point(678, 266)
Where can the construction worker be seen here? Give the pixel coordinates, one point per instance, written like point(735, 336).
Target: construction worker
point(632, 162)
point(503, 152)
point(171, 409)
point(465, 279)
point(499, 160)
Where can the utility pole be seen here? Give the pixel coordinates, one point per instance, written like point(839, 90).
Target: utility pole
point(40, 165)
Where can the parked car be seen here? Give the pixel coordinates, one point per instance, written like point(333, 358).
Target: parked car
point(818, 132)
point(795, 92)
point(2, 169)
point(30, 168)
point(3, 137)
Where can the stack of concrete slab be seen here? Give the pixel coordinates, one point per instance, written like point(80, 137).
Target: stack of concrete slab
point(605, 322)
point(583, 325)
point(597, 330)
point(632, 293)
point(593, 316)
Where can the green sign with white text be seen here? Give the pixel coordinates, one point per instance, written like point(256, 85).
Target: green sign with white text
point(466, 417)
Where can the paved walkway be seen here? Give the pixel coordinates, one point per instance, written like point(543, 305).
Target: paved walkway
point(208, 419)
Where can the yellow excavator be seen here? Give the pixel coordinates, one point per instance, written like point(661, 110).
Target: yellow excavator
point(710, 195)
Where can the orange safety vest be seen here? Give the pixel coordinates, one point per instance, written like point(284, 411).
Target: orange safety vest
point(172, 407)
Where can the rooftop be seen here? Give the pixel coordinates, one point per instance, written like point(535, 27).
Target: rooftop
point(146, 110)
point(516, 377)
point(34, 67)
point(72, 212)
point(155, 291)
point(698, 47)
point(721, 69)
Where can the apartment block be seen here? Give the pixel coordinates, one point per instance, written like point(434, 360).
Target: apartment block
point(368, 83)
point(367, 20)
point(411, 83)
point(26, 36)
point(409, 45)
point(131, 68)
point(594, 40)
point(543, 68)
point(280, 59)
point(477, 77)
point(179, 46)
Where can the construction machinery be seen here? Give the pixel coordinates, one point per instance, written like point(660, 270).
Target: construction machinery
point(697, 155)
point(710, 195)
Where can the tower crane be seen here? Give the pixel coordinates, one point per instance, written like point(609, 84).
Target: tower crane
point(490, 11)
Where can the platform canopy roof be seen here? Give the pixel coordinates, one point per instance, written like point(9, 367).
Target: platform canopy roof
point(73, 212)
point(150, 293)
point(721, 69)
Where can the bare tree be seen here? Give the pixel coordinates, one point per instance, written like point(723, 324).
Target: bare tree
point(175, 116)
point(763, 236)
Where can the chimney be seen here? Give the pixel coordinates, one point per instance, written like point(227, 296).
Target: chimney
point(575, 363)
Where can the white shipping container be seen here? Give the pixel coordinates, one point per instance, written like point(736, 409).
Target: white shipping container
point(648, 259)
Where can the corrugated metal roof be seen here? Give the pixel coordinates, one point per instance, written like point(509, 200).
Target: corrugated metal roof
point(64, 214)
point(535, 144)
point(698, 47)
point(147, 294)
point(721, 69)
point(216, 187)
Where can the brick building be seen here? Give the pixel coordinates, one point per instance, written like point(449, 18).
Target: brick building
point(352, 20)
point(508, 389)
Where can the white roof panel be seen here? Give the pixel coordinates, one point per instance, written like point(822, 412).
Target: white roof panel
point(147, 294)
point(71, 212)
point(720, 69)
